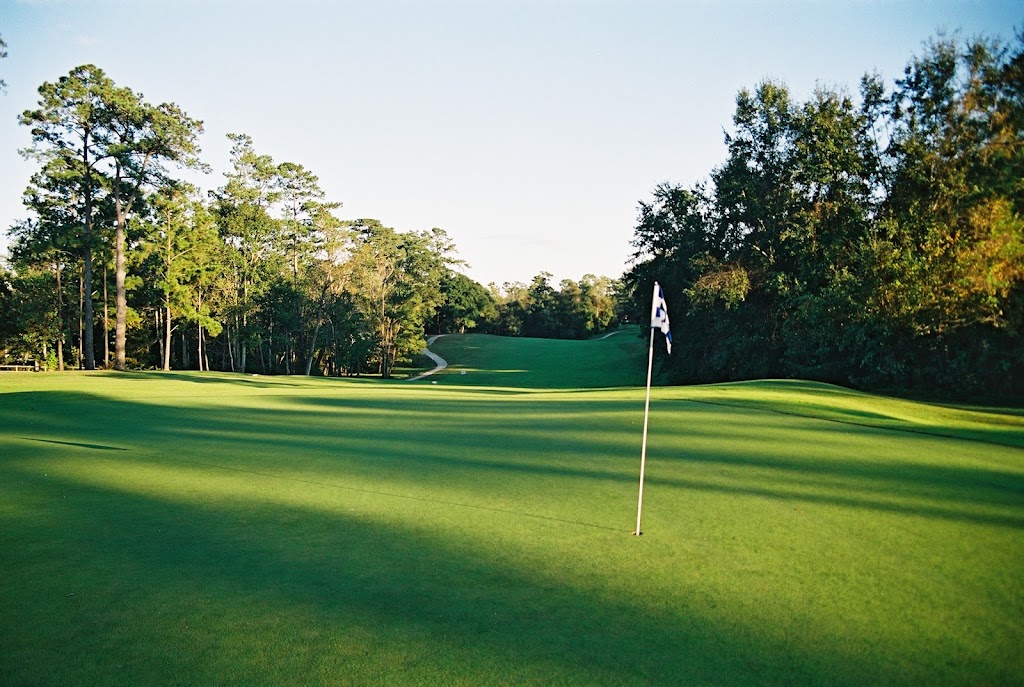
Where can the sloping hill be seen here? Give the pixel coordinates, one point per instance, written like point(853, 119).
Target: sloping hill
point(839, 404)
point(620, 361)
point(526, 363)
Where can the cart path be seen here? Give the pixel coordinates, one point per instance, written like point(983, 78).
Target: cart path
point(602, 338)
point(439, 362)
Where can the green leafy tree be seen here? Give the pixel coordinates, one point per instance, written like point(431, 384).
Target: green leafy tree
point(303, 213)
point(541, 317)
point(51, 241)
point(280, 315)
point(511, 300)
point(464, 304)
point(876, 243)
point(32, 305)
point(309, 230)
point(110, 144)
point(184, 248)
point(600, 296)
point(396, 283)
point(951, 197)
point(325, 280)
point(39, 291)
point(143, 139)
point(254, 238)
point(575, 310)
point(70, 124)
point(9, 313)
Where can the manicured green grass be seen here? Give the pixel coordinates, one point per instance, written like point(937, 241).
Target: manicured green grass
point(503, 362)
point(231, 529)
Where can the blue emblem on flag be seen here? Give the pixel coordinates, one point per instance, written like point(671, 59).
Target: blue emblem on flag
point(659, 315)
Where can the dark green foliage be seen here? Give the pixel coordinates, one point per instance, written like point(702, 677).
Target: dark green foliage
point(576, 310)
point(465, 305)
point(395, 281)
point(878, 243)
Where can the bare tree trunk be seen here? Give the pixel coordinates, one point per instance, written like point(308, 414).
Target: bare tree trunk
point(88, 345)
point(321, 306)
point(166, 352)
point(122, 207)
point(120, 326)
point(106, 320)
point(243, 332)
point(335, 368)
point(88, 350)
point(206, 351)
point(158, 326)
point(167, 335)
point(60, 321)
point(81, 318)
point(199, 347)
point(312, 347)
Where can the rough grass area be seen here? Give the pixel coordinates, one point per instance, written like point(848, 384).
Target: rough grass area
point(228, 529)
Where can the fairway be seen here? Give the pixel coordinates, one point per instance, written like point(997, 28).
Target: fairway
point(472, 528)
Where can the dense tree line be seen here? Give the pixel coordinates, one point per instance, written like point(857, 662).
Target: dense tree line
point(574, 310)
point(121, 264)
point(874, 241)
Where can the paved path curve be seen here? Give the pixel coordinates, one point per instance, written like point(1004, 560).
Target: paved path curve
point(439, 362)
point(602, 338)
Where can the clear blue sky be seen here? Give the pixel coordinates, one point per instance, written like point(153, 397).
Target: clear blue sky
point(527, 129)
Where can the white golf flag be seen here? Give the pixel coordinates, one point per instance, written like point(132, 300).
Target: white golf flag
point(659, 315)
point(659, 320)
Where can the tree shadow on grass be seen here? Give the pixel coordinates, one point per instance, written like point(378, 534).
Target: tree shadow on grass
point(79, 444)
point(1007, 433)
point(157, 590)
point(243, 379)
point(496, 454)
point(222, 588)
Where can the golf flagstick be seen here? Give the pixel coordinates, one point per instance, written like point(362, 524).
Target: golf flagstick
point(659, 320)
point(643, 445)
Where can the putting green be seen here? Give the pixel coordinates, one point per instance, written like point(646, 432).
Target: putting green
point(190, 528)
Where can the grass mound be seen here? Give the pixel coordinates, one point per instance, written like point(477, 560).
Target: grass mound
point(194, 528)
point(830, 402)
point(524, 363)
